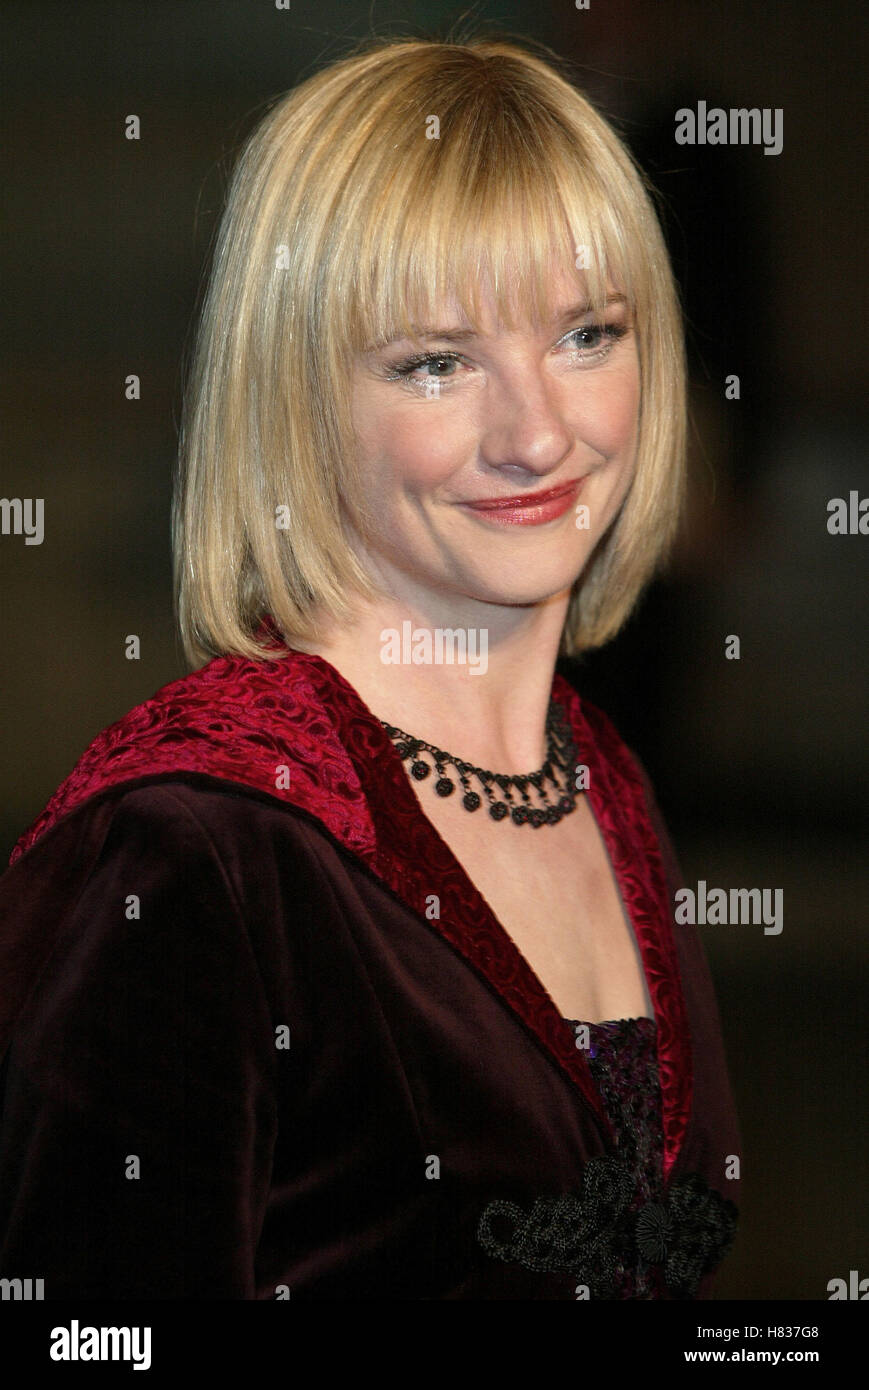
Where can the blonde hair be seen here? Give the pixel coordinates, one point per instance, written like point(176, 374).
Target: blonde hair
point(344, 226)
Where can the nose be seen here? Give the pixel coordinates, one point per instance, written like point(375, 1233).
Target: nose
point(524, 430)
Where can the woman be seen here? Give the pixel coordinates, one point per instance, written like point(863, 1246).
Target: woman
point(309, 992)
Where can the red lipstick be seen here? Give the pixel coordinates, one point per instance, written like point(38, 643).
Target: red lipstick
point(529, 509)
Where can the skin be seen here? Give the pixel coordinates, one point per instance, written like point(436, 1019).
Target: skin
point(522, 411)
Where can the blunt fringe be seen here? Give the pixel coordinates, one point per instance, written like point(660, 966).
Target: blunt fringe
point(344, 226)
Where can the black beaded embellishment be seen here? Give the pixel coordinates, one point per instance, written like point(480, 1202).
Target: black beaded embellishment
point(594, 1235)
point(561, 755)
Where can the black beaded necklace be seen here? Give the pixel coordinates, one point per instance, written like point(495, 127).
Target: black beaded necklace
point(561, 757)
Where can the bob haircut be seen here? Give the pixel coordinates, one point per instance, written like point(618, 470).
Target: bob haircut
point(344, 227)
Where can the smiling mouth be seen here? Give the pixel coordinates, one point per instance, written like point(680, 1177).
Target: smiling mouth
point(529, 509)
point(525, 499)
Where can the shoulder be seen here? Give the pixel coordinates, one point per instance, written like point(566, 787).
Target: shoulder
point(181, 829)
point(259, 724)
point(189, 873)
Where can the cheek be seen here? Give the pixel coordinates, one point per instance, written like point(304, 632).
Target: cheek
point(396, 445)
point(613, 413)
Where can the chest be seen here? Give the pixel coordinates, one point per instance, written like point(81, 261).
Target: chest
point(554, 892)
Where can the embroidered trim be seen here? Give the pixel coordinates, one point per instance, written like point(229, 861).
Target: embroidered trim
point(600, 1241)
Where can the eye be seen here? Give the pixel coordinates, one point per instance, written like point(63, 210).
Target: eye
point(405, 370)
point(595, 340)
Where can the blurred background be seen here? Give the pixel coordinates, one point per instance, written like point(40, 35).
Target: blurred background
point(761, 763)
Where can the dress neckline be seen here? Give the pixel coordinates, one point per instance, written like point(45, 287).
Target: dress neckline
point(610, 1022)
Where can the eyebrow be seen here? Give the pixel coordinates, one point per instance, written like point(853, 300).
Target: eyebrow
point(461, 335)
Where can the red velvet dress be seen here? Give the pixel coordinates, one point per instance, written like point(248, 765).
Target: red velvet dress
point(262, 1037)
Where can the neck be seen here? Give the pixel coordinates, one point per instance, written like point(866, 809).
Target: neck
point(480, 689)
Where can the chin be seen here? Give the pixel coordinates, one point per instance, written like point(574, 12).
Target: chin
point(527, 590)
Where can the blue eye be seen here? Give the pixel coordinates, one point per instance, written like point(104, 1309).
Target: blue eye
point(412, 364)
point(593, 333)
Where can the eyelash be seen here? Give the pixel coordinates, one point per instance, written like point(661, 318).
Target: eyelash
point(402, 370)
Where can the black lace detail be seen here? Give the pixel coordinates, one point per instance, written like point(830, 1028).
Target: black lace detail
point(622, 1058)
point(599, 1240)
point(624, 1064)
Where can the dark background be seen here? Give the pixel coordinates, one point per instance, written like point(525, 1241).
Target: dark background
point(760, 763)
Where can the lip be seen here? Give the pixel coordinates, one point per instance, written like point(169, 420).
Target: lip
point(529, 508)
